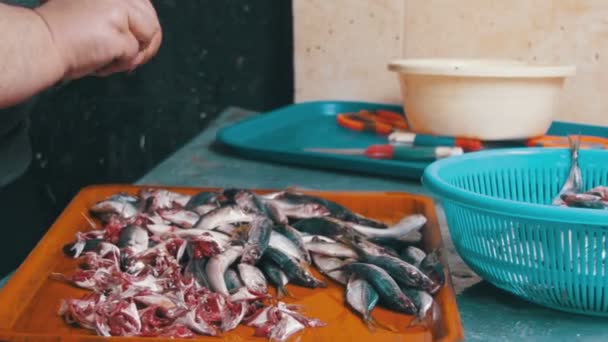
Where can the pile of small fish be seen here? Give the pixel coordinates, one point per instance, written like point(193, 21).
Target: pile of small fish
point(571, 194)
point(166, 264)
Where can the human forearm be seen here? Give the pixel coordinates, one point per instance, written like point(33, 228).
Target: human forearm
point(29, 61)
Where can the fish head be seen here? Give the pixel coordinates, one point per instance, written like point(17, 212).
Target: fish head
point(251, 256)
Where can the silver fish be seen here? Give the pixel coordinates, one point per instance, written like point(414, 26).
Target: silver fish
point(423, 301)
point(294, 236)
point(223, 215)
point(203, 202)
point(204, 209)
point(362, 297)
point(276, 277)
point(574, 182)
point(337, 249)
point(383, 283)
point(298, 273)
point(221, 238)
point(161, 229)
point(180, 217)
point(133, 237)
point(406, 229)
point(298, 211)
point(243, 294)
point(257, 240)
point(119, 206)
point(326, 264)
point(413, 255)
point(253, 278)
point(282, 243)
point(217, 266)
point(162, 199)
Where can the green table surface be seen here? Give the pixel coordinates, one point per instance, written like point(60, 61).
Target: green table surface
point(487, 313)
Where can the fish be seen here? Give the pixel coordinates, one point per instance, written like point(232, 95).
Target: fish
point(296, 272)
point(216, 268)
point(295, 237)
point(223, 215)
point(221, 238)
point(320, 226)
point(601, 191)
point(156, 199)
point(75, 249)
point(574, 182)
point(584, 200)
point(403, 272)
point(364, 244)
point(251, 203)
point(285, 245)
point(432, 267)
point(202, 203)
point(388, 290)
point(335, 210)
point(362, 297)
point(253, 278)
point(328, 265)
point(133, 237)
point(412, 255)
point(309, 238)
point(406, 229)
point(275, 213)
point(124, 207)
point(180, 217)
point(331, 249)
point(423, 301)
point(243, 294)
point(276, 277)
point(296, 211)
point(233, 281)
point(258, 238)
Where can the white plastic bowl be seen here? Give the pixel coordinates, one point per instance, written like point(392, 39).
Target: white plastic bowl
point(483, 99)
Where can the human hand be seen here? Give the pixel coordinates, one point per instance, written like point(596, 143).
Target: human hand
point(102, 37)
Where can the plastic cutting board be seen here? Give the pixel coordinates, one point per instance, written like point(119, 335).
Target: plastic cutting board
point(282, 135)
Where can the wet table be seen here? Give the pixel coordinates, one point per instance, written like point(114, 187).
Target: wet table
point(487, 313)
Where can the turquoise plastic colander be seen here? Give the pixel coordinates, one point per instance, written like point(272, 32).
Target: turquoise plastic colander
point(497, 205)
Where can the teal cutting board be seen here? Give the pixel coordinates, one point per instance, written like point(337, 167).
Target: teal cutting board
point(281, 136)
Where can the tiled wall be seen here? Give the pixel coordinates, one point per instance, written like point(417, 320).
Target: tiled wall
point(342, 46)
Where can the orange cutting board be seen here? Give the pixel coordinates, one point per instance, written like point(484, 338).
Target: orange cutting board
point(30, 300)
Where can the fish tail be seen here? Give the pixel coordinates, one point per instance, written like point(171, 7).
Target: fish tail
point(372, 324)
point(282, 291)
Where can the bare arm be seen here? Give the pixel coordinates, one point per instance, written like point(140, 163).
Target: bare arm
point(69, 39)
point(29, 61)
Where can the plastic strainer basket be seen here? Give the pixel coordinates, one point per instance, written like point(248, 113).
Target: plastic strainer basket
point(497, 205)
